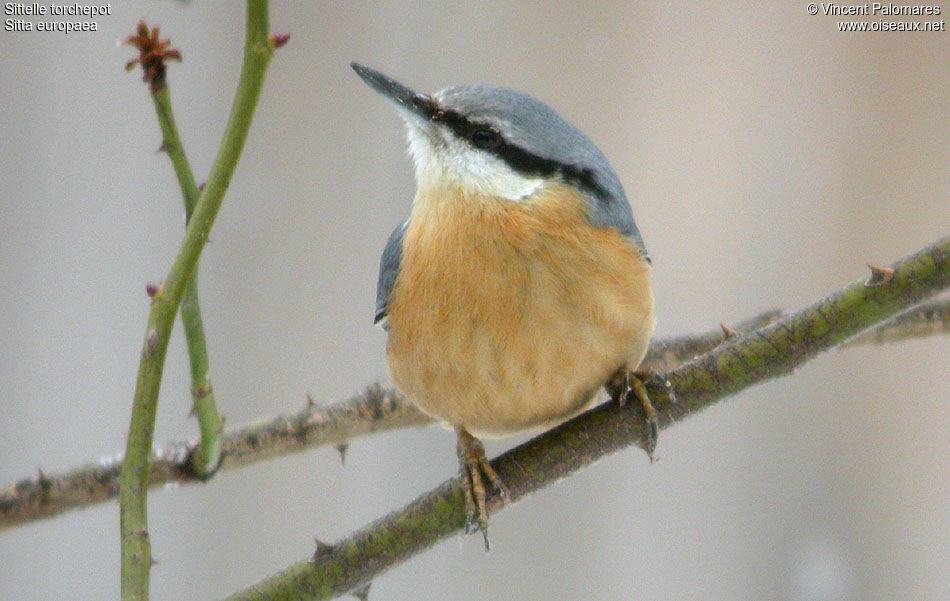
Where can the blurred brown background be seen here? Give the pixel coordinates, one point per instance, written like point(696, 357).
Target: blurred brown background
point(767, 156)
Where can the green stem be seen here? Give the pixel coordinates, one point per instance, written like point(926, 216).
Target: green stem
point(133, 485)
point(171, 143)
point(207, 455)
point(734, 365)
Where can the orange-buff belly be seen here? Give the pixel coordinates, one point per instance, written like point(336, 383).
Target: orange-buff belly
point(509, 316)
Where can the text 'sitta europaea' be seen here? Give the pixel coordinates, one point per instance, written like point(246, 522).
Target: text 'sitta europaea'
point(519, 286)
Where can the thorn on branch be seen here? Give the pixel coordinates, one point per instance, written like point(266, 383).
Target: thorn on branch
point(311, 404)
point(151, 341)
point(163, 147)
point(322, 550)
point(341, 449)
point(153, 54)
point(362, 593)
point(278, 40)
point(45, 484)
point(879, 276)
point(727, 332)
point(200, 392)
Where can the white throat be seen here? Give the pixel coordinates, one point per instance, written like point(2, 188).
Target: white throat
point(440, 158)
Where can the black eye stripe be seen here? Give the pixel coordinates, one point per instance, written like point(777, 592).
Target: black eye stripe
point(520, 159)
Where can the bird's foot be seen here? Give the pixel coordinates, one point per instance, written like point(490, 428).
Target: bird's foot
point(476, 471)
point(627, 383)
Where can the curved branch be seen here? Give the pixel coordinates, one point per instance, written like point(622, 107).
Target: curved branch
point(376, 409)
point(133, 482)
point(738, 363)
point(926, 319)
point(207, 454)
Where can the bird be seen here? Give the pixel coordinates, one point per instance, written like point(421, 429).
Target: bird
point(519, 286)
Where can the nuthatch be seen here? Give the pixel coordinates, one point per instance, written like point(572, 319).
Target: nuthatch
point(519, 286)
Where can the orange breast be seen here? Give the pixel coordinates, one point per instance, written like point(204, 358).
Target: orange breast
point(509, 316)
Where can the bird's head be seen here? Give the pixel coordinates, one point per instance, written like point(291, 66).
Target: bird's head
point(494, 141)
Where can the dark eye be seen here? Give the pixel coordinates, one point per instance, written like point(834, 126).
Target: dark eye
point(485, 137)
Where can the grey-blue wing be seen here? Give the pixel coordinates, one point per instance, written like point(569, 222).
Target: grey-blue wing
point(615, 212)
point(388, 270)
point(610, 209)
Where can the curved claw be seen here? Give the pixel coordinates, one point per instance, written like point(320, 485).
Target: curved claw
point(628, 383)
point(475, 471)
point(653, 379)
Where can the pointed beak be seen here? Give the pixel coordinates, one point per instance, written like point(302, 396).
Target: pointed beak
point(420, 105)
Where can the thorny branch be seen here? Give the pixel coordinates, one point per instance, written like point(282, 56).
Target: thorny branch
point(376, 409)
point(134, 478)
point(738, 363)
point(153, 52)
